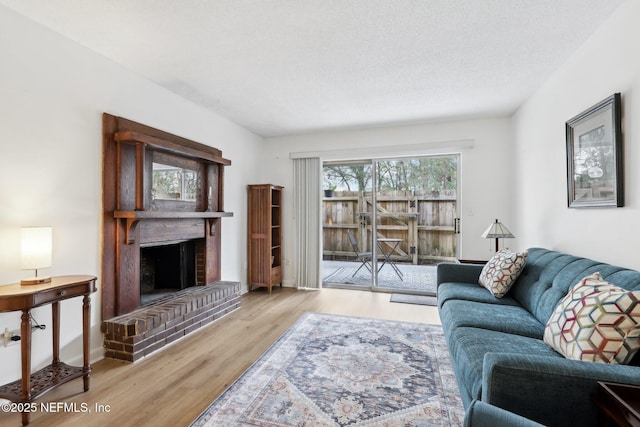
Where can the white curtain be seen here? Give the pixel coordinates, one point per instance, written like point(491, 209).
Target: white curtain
point(308, 228)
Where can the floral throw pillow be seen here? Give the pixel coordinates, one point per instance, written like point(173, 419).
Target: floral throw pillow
point(596, 322)
point(501, 271)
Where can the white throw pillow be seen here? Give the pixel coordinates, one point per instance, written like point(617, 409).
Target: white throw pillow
point(499, 273)
point(596, 322)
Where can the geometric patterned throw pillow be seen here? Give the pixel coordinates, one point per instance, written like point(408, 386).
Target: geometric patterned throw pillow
point(499, 273)
point(596, 322)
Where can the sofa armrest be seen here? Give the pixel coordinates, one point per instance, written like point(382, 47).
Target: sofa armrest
point(465, 273)
point(549, 390)
point(481, 414)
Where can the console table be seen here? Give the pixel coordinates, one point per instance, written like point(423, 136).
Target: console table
point(23, 298)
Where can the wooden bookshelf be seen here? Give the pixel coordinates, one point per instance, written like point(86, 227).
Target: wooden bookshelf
point(264, 236)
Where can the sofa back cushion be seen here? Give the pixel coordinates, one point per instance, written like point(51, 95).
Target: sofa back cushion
point(549, 275)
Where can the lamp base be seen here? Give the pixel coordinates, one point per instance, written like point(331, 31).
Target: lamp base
point(35, 280)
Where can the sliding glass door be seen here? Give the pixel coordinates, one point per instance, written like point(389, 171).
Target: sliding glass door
point(387, 222)
point(348, 254)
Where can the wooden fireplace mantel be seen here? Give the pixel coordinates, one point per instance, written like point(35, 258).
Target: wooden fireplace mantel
point(133, 216)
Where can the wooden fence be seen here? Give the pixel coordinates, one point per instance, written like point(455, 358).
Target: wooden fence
point(424, 221)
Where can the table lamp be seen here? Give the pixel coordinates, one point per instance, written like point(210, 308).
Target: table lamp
point(36, 252)
point(497, 231)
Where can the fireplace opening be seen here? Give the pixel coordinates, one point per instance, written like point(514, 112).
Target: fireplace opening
point(166, 269)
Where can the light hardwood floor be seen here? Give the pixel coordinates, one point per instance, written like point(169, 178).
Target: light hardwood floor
point(174, 385)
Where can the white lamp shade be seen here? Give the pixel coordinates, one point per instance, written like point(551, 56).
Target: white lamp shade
point(497, 230)
point(36, 247)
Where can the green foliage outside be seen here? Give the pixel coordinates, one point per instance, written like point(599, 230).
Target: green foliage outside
point(426, 173)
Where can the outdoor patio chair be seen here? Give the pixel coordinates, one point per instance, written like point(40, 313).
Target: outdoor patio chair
point(363, 257)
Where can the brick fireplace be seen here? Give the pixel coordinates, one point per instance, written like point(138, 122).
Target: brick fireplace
point(163, 205)
point(139, 333)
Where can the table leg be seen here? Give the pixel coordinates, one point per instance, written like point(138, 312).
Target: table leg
point(384, 255)
point(393, 264)
point(387, 258)
point(55, 331)
point(25, 331)
point(86, 322)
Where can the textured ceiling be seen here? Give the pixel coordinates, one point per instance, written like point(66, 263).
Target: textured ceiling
point(282, 67)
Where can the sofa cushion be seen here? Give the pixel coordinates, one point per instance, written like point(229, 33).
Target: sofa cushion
point(452, 291)
point(501, 271)
point(596, 322)
point(504, 318)
point(468, 347)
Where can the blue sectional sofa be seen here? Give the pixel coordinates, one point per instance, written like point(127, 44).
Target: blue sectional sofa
point(497, 346)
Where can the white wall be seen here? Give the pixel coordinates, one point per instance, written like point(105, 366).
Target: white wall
point(52, 95)
point(607, 63)
point(486, 184)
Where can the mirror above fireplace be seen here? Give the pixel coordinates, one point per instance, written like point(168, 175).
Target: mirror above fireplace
point(173, 183)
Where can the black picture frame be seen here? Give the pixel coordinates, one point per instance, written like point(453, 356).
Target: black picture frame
point(594, 156)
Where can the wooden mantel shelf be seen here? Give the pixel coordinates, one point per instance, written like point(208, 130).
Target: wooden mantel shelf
point(133, 217)
point(169, 214)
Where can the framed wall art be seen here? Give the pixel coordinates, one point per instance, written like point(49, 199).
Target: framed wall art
point(594, 156)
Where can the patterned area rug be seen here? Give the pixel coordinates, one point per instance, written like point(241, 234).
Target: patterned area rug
point(331, 370)
point(417, 279)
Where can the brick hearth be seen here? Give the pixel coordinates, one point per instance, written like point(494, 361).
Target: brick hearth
point(137, 334)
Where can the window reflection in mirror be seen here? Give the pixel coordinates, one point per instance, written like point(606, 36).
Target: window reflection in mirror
point(173, 183)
